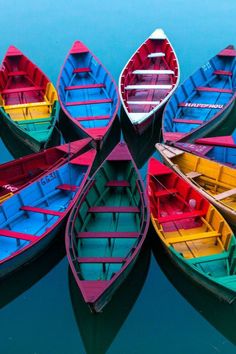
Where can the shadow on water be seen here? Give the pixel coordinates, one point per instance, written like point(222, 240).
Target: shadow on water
point(24, 278)
point(99, 330)
point(219, 314)
point(141, 147)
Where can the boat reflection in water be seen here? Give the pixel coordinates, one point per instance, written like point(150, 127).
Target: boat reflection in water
point(219, 314)
point(99, 330)
point(24, 278)
point(141, 147)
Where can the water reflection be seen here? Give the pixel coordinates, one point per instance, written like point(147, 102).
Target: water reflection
point(219, 314)
point(141, 147)
point(99, 330)
point(24, 278)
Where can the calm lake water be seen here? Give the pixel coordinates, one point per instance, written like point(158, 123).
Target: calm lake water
point(158, 310)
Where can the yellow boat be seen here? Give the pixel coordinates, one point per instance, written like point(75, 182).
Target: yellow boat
point(213, 180)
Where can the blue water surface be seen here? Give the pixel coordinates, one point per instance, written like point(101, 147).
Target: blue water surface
point(39, 313)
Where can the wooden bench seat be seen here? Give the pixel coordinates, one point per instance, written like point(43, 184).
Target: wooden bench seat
point(193, 174)
point(89, 118)
point(114, 209)
point(188, 121)
point(225, 194)
point(41, 210)
point(17, 73)
point(81, 70)
point(223, 72)
point(176, 217)
point(165, 192)
point(22, 89)
point(18, 235)
point(118, 184)
point(107, 234)
point(80, 87)
point(83, 103)
point(195, 237)
point(67, 187)
point(100, 260)
point(213, 89)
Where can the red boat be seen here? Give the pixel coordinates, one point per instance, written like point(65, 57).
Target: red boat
point(17, 174)
point(148, 80)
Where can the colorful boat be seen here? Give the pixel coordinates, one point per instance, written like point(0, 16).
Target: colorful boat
point(225, 154)
point(107, 228)
point(28, 101)
point(213, 180)
point(32, 218)
point(194, 233)
point(203, 101)
point(17, 174)
point(87, 93)
point(148, 80)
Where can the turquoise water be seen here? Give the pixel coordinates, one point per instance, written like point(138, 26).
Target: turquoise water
point(159, 311)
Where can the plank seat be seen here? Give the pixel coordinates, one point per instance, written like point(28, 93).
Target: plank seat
point(29, 105)
point(81, 70)
point(118, 184)
point(18, 235)
point(114, 209)
point(88, 118)
point(143, 102)
point(188, 121)
point(67, 187)
point(148, 87)
point(156, 55)
point(223, 72)
point(101, 260)
point(187, 215)
point(105, 234)
point(41, 210)
point(83, 103)
point(88, 86)
point(213, 89)
point(211, 258)
point(153, 72)
point(32, 121)
point(200, 105)
point(225, 194)
point(195, 237)
point(165, 192)
point(17, 73)
point(193, 174)
point(22, 89)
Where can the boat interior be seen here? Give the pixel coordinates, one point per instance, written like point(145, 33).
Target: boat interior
point(87, 91)
point(109, 221)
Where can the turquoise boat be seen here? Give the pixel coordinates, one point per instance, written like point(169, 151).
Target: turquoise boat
point(107, 228)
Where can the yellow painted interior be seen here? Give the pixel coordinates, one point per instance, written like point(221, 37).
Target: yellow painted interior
point(212, 237)
point(214, 177)
point(35, 110)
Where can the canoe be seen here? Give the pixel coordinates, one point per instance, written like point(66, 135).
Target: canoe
point(28, 101)
point(194, 233)
point(87, 93)
point(107, 228)
point(32, 218)
point(203, 101)
point(224, 154)
point(148, 80)
point(213, 180)
point(17, 174)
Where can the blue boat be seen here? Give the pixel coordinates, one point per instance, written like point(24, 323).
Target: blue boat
point(203, 101)
point(30, 219)
point(88, 94)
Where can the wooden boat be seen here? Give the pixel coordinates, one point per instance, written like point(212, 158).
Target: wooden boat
point(148, 80)
point(213, 180)
point(203, 101)
point(17, 174)
point(31, 219)
point(107, 228)
point(28, 101)
point(194, 233)
point(224, 154)
point(87, 93)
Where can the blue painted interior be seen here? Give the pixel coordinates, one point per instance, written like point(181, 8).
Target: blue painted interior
point(97, 75)
point(223, 154)
point(187, 93)
point(41, 194)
